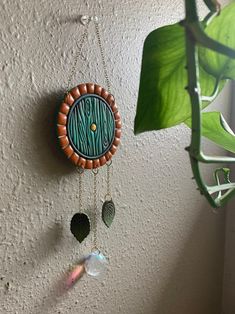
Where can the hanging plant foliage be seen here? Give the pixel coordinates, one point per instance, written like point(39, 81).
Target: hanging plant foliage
point(163, 101)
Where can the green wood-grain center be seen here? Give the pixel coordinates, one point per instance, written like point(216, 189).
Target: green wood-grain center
point(91, 126)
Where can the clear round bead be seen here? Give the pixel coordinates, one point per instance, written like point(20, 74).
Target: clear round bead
point(95, 264)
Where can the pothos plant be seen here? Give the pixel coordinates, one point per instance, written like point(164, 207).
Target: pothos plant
point(184, 67)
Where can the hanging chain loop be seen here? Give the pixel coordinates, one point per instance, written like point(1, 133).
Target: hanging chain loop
point(79, 53)
point(97, 30)
point(78, 56)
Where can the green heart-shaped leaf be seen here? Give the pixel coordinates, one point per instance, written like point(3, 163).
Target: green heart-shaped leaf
point(108, 212)
point(216, 129)
point(80, 226)
point(163, 101)
point(222, 29)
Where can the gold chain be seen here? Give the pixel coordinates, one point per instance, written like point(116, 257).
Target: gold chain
point(80, 172)
point(108, 180)
point(108, 194)
point(97, 30)
point(78, 55)
point(95, 173)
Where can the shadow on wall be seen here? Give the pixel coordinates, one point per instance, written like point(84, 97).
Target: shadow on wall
point(59, 289)
point(38, 251)
point(188, 289)
point(46, 158)
point(36, 255)
point(63, 282)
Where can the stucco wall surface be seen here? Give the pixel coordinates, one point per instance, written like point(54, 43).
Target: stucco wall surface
point(166, 244)
point(229, 258)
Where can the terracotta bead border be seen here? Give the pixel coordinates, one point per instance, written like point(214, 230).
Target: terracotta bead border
point(70, 98)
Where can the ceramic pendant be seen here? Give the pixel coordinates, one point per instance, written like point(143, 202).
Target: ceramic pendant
point(89, 126)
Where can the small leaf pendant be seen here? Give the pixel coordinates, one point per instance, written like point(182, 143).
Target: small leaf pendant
point(80, 226)
point(108, 212)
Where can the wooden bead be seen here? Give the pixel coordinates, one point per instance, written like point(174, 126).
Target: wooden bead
point(118, 124)
point(82, 88)
point(110, 99)
point(74, 158)
point(113, 149)
point(116, 141)
point(68, 151)
point(114, 107)
point(62, 118)
point(117, 116)
point(90, 88)
point(118, 133)
point(61, 130)
point(103, 160)
point(81, 162)
point(75, 93)
point(64, 108)
point(104, 93)
point(96, 163)
point(64, 141)
point(108, 155)
point(98, 90)
point(69, 99)
point(89, 164)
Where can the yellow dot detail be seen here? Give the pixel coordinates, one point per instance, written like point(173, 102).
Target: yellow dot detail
point(93, 127)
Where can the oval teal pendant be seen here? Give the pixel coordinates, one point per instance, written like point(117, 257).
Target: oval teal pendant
point(89, 126)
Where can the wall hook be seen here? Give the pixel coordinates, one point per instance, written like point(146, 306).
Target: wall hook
point(85, 19)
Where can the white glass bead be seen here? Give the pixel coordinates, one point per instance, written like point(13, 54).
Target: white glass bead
point(95, 264)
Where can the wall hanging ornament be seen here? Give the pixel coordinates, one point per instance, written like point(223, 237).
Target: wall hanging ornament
point(89, 131)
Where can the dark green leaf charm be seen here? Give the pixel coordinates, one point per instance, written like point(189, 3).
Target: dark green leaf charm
point(80, 226)
point(108, 212)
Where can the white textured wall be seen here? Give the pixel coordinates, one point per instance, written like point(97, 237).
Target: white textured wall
point(166, 244)
point(229, 260)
